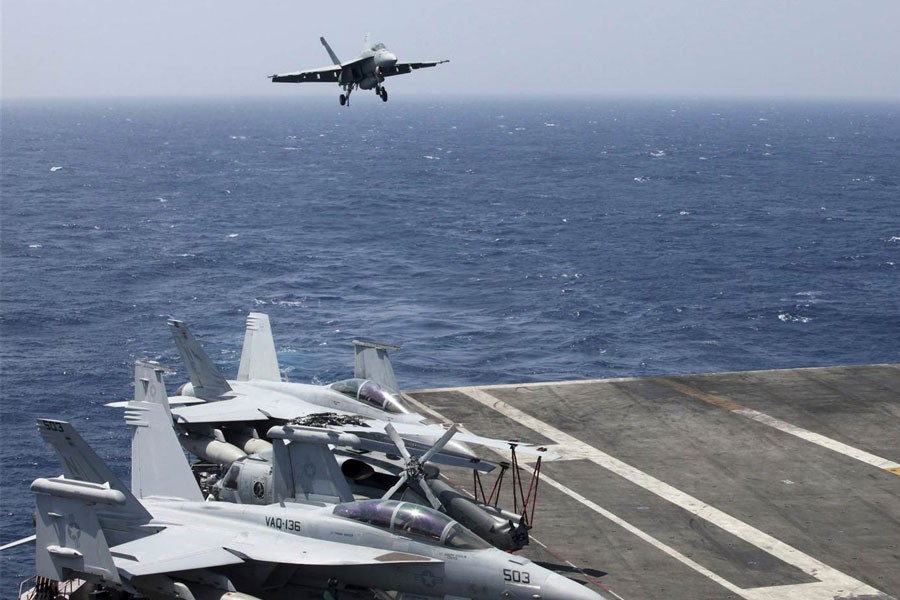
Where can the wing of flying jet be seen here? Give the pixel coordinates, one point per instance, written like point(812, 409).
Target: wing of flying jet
point(409, 67)
point(330, 74)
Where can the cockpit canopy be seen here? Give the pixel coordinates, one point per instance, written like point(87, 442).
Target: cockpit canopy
point(412, 520)
point(377, 47)
point(369, 392)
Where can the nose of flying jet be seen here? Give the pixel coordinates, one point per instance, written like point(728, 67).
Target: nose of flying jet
point(558, 587)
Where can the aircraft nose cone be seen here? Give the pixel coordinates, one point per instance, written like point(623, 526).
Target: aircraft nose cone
point(558, 587)
point(390, 57)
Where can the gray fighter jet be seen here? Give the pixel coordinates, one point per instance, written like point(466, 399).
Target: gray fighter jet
point(161, 540)
point(323, 465)
point(259, 397)
point(367, 71)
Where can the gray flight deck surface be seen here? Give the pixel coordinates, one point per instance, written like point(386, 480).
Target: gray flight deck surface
point(756, 485)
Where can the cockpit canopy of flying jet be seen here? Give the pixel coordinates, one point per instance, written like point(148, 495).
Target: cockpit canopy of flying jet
point(413, 520)
point(369, 392)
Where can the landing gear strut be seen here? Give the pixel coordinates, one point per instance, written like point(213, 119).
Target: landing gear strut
point(345, 98)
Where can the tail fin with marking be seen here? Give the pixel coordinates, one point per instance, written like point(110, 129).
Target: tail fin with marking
point(331, 53)
point(304, 467)
point(372, 362)
point(206, 379)
point(69, 538)
point(83, 513)
point(149, 385)
point(259, 359)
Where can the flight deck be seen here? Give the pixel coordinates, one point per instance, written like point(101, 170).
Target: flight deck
point(749, 485)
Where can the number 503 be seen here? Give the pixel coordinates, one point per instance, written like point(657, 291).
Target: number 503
point(516, 576)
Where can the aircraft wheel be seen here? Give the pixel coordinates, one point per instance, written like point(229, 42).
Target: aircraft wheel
point(384, 94)
point(343, 99)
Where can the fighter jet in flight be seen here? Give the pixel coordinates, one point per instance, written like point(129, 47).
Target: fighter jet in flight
point(161, 540)
point(367, 71)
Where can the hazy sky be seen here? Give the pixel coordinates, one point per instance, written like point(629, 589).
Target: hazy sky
point(783, 48)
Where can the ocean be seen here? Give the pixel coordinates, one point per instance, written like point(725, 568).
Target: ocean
point(498, 240)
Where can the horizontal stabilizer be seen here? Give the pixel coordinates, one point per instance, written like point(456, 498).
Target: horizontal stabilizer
point(17, 543)
point(173, 400)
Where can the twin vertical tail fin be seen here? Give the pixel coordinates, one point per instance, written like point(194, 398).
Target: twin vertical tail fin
point(259, 360)
point(80, 515)
point(208, 382)
point(158, 464)
point(372, 362)
point(305, 468)
point(69, 537)
point(331, 53)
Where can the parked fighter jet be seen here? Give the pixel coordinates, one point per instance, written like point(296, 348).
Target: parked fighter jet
point(361, 405)
point(323, 465)
point(162, 541)
point(367, 71)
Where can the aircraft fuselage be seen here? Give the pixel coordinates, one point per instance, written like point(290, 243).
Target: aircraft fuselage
point(472, 570)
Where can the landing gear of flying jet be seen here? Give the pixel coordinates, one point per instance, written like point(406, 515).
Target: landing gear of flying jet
point(383, 93)
point(345, 98)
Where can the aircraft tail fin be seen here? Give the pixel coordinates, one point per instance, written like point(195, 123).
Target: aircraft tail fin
point(372, 362)
point(70, 539)
point(259, 360)
point(158, 464)
point(149, 385)
point(331, 53)
point(305, 468)
point(119, 520)
point(208, 382)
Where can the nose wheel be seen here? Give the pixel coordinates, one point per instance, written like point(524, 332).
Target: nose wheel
point(345, 98)
point(382, 93)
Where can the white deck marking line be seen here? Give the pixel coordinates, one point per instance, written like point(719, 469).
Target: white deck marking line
point(783, 426)
point(541, 384)
point(832, 583)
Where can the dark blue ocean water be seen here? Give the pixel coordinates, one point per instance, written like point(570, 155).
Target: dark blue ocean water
point(498, 240)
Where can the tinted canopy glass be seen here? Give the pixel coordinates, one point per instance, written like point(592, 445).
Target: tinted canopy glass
point(413, 520)
point(369, 392)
